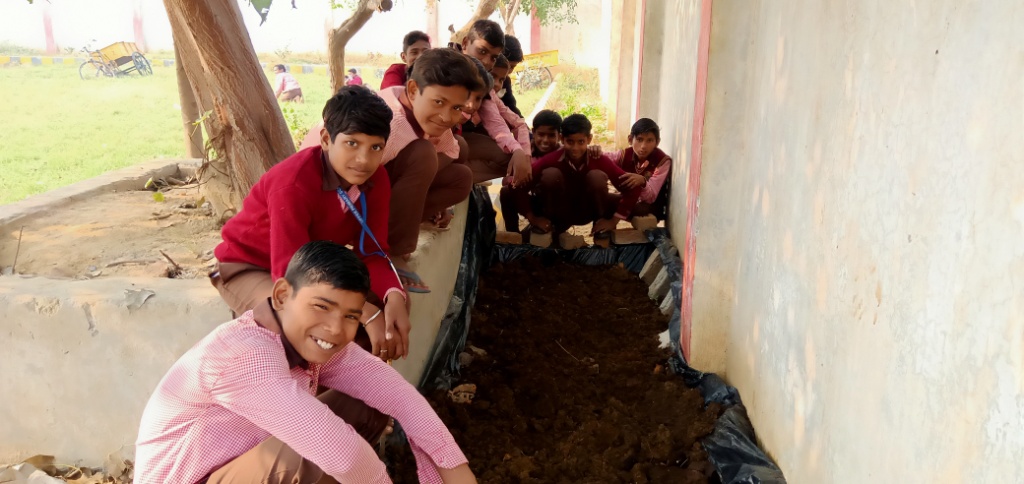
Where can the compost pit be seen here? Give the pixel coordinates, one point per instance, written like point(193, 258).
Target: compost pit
point(572, 387)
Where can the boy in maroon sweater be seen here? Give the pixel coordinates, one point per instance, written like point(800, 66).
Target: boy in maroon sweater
point(414, 44)
point(336, 191)
point(571, 188)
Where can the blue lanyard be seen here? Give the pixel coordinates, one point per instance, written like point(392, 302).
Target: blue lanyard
point(361, 217)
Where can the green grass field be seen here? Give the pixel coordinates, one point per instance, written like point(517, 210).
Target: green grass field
point(56, 129)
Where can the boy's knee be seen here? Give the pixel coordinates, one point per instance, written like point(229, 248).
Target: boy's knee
point(419, 158)
point(597, 179)
point(551, 177)
point(463, 150)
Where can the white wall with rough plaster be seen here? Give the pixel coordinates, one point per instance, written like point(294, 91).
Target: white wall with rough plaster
point(860, 235)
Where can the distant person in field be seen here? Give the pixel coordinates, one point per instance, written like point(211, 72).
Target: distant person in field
point(286, 88)
point(546, 137)
point(570, 187)
point(643, 159)
point(337, 190)
point(281, 395)
point(514, 53)
point(353, 79)
point(414, 44)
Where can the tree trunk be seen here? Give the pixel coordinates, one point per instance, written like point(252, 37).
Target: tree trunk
point(247, 131)
point(189, 111)
point(484, 9)
point(508, 12)
point(340, 36)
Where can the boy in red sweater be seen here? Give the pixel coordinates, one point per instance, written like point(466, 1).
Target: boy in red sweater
point(644, 159)
point(570, 187)
point(414, 44)
point(336, 191)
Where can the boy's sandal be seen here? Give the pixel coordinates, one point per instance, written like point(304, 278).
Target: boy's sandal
point(412, 282)
point(603, 235)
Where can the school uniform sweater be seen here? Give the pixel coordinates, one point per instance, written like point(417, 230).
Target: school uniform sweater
point(655, 168)
point(575, 174)
point(296, 202)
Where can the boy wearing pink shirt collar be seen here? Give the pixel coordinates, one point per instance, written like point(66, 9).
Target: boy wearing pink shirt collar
point(242, 404)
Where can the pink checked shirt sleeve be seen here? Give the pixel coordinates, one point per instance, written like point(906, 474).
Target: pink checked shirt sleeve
point(516, 124)
point(650, 192)
point(359, 374)
point(496, 126)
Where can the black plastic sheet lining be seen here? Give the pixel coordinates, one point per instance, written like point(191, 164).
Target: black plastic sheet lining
point(631, 256)
point(731, 447)
point(443, 365)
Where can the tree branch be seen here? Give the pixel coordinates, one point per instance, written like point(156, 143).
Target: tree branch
point(484, 9)
point(340, 36)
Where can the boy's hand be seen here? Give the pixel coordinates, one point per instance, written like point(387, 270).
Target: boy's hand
point(520, 168)
point(594, 150)
point(396, 334)
point(375, 329)
point(632, 180)
point(458, 475)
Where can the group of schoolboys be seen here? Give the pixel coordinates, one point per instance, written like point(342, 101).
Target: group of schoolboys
point(279, 394)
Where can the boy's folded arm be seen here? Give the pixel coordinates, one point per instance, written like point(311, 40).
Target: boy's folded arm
point(615, 173)
point(261, 390)
point(496, 126)
point(657, 180)
point(290, 217)
point(359, 374)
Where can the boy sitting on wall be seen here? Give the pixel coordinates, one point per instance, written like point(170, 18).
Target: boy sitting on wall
point(414, 44)
point(242, 404)
point(571, 188)
point(335, 190)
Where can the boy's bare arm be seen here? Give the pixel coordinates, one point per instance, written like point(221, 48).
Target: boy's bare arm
point(458, 475)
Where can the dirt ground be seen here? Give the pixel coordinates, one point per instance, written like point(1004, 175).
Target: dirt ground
point(117, 234)
point(572, 387)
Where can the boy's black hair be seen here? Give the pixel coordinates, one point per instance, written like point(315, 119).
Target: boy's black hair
point(513, 49)
point(484, 75)
point(356, 109)
point(488, 30)
point(412, 38)
point(281, 67)
point(501, 61)
point(326, 262)
point(445, 67)
point(645, 125)
point(548, 117)
point(576, 124)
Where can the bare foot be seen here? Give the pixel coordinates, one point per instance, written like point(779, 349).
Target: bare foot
point(604, 225)
point(539, 223)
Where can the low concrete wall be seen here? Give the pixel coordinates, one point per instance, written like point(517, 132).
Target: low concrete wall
point(80, 358)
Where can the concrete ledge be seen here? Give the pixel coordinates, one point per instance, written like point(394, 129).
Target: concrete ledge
point(80, 358)
point(436, 260)
point(130, 178)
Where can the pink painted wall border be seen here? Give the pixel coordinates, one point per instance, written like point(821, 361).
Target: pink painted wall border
point(693, 181)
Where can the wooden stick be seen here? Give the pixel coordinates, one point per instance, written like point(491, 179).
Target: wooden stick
point(567, 351)
point(14, 266)
point(175, 264)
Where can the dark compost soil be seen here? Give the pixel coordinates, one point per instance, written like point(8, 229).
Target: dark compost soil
point(572, 388)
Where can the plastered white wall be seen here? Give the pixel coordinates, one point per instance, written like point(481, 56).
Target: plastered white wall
point(860, 234)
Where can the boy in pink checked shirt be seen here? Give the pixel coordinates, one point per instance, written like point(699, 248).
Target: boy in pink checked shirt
point(241, 405)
